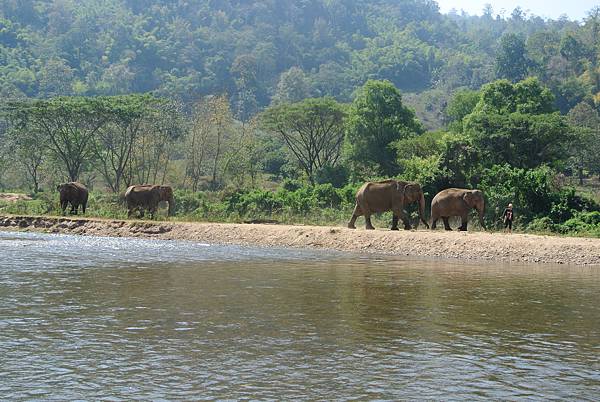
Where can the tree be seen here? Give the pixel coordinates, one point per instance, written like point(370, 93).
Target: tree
point(377, 118)
point(517, 124)
point(462, 103)
point(68, 124)
point(56, 78)
point(29, 149)
point(511, 60)
point(312, 129)
point(113, 148)
point(293, 86)
point(586, 147)
point(207, 138)
point(153, 149)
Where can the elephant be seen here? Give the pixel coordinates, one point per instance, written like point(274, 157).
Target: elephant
point(388, 195)
point(74, 193)
point(147, 197)
point(457, 202)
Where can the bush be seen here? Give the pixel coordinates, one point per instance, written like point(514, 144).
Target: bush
point(334, 175)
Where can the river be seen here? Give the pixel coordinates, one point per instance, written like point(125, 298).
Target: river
point(120, 319)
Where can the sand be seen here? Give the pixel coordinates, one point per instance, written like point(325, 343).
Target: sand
point(497, 247)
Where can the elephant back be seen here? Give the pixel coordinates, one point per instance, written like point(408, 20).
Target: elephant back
point(142, 194)
point(73, 191)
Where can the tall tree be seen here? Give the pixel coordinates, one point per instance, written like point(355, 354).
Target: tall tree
point(153, 150)
point(378, 118)
point(292, 87)
point(115, 141)
point(312, 129)
point(208, 137)
point(511, 59)
point(68, 124)
point(585, 122)
point(517, 124)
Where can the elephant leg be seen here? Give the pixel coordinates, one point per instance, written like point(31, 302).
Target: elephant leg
point(63, 206)
point(357, 212)
point(446, 223)
point(83, 208)
point(73, 209)
point(368, 224)
point(395, 222)
point(463, 223)
point(434, 220)
point(405, 220)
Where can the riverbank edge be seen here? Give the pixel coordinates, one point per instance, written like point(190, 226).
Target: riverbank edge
point(472, 246)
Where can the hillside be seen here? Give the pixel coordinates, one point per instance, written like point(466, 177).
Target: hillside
point(264, 50)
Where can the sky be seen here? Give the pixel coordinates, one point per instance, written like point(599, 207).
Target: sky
point(575, 9)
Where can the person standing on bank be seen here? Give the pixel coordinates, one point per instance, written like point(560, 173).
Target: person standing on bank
point(508, 217)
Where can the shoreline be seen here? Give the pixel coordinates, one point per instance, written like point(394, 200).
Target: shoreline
point(469, 246)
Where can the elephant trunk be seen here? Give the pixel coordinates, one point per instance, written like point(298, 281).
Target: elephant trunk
point(171, 202)
point(422, 210)
point(481, 211)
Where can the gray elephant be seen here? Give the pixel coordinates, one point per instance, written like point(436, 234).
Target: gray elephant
point(457, 202)
point(73, 193)
point(388, 195)
point(147, 197)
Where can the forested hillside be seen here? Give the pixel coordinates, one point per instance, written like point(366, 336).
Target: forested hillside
point(262, 51)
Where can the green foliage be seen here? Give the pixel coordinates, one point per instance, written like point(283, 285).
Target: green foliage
point(461, 105)
point(312, 129)
point(533, 194)
point(377, 118)
point(515, 124)
point(512, 61)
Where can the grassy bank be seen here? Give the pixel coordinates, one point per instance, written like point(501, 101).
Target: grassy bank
point(292, 204)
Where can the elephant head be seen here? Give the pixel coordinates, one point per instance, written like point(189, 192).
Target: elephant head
point(166, 194)
point(68, 191)
point(414, 193)
point(474, 199)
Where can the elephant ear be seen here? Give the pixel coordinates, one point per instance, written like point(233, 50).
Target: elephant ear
point(401, 188)
point(469, 199)
point(412, 191)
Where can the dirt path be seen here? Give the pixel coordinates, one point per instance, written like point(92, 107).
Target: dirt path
point(13, 197)
point(423, 243)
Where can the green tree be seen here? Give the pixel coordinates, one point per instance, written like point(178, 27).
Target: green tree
point(29, 149)
point(585, 148)
point(312, 129)
point(69, 126)
point(462, 103)
point(293, 86)
point(376, 120)
point(115, 141)
point(517, 124)
point(512, 61)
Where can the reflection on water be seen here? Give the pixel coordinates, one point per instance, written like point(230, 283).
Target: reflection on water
point(94, 318)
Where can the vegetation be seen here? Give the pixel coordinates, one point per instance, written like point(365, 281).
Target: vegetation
point(279, 110)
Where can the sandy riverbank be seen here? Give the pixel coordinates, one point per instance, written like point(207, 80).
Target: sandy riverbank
point(422, 243)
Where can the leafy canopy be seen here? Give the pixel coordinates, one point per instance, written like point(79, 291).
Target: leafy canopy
point(378, 118)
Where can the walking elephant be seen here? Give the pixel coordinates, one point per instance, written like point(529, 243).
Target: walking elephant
point(147, 197)
point(73, 193)
point(388, 195)
point(456, 202)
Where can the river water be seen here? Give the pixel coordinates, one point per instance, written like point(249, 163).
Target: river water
point(122, 319)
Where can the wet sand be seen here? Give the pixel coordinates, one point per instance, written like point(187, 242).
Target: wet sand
point(499, 247)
